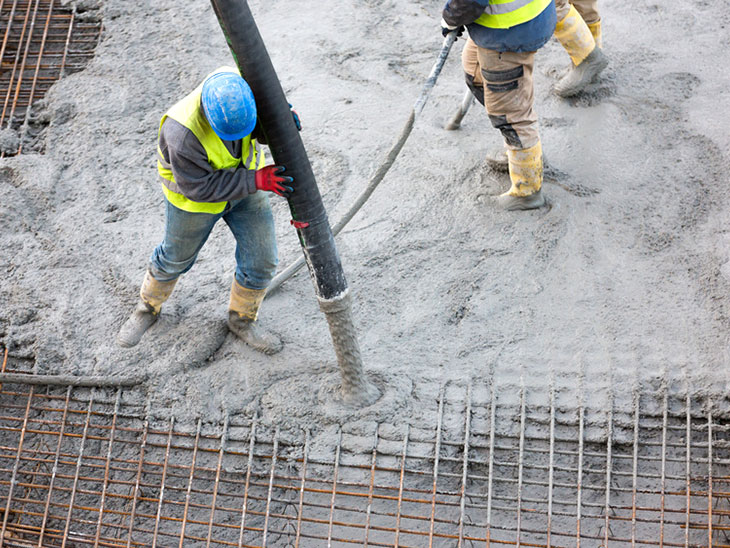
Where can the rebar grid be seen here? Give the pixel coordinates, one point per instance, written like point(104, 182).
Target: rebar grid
point(82, 467)
point(42, 42)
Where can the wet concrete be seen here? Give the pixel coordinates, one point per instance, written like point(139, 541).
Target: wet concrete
point(622, 276)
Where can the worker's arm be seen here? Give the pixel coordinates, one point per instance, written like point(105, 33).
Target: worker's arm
point(463, 12)
point(195, 177)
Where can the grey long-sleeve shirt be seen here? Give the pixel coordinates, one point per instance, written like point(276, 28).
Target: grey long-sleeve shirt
point(195, 178)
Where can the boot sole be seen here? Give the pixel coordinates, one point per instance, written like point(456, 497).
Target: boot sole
point(521, 203)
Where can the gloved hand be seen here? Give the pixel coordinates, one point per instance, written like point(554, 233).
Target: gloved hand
point(297, 121)
point(446, 28)
point(269, 178)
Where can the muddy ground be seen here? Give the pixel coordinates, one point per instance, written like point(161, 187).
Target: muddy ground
point(622, 280)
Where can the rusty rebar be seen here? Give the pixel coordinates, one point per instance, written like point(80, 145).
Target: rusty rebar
point(190, 484)
point(371, 488)
point(107, 464)
point(609, 468)
point(521, 458)
point(665, 417)
point(16, 465)
point(270, 491)
point(221, 452)
point(437, 456)
point(709, 474)
point(54, 469)
point(302, 488)
point(252, 443)
point(336, 471)
point(465, 466)
point(400, 484)
point(153, 486)
point(36, 49)
point(579, 487)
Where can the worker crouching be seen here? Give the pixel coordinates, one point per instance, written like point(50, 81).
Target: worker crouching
point(498, 61)
point(211, 167)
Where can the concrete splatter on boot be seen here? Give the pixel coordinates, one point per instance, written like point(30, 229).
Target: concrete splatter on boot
point(242, 319)
point(587, 57)
point(498, 161)
point(152, 294)
point(597, 33)
point(525, 171)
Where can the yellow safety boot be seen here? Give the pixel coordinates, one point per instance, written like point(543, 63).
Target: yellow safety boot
point(497, 160)
point(152, 294)
point(525, 171)
point(242, 314)
point(588, 59)
point(597, 33)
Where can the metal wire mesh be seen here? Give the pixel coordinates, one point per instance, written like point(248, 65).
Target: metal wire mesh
point(87, 467)
point(41, 42)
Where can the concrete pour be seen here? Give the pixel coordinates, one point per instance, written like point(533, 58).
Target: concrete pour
point(623, 278)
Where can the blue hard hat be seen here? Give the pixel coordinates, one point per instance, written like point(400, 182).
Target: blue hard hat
point(229, 105)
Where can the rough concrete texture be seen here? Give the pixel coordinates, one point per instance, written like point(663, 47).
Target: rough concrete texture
point(623, 278)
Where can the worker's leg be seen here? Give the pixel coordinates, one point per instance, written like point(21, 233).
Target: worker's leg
point(588, 10)
point(562, 7)
point(508, 97)
point(587, 57)
point(185, 234)
point(497, 158)
point(472, 74)
point(252, 224)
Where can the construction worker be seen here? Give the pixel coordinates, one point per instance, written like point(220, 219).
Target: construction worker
point(211, 168)
point(498, 60)
point(579, 32)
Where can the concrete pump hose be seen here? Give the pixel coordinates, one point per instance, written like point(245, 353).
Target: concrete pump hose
point(385, 166)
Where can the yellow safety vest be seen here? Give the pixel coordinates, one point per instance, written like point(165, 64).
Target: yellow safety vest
point(188, 113)
point(503, 14)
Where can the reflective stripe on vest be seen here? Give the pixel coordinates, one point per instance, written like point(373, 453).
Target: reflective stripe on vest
point(188, 113)
point(503, 14)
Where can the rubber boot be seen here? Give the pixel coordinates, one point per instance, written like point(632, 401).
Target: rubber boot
point(152, 295)
point(597, 33)
point(242, 319)
point(525, 171)
point(588, 59)
point(498, 161)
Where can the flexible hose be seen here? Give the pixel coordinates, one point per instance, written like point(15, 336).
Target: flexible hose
point(385, 166)
point(285, 144)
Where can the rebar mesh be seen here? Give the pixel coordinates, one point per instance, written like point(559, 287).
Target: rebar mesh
point(41, 42)
point(87, 467)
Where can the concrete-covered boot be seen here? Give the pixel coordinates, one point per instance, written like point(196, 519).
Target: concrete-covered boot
point(525, 171)
point(597, 33)
point(498, 161)
point(588, 58)
point(152, 295)
point(242, 319)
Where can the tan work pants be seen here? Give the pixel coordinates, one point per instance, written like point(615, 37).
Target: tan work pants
point(588, 9)
point(504, 80)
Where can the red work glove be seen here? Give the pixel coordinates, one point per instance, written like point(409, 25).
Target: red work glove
point(269, 178)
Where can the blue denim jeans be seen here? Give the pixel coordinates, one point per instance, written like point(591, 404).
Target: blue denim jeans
point(252, 224)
